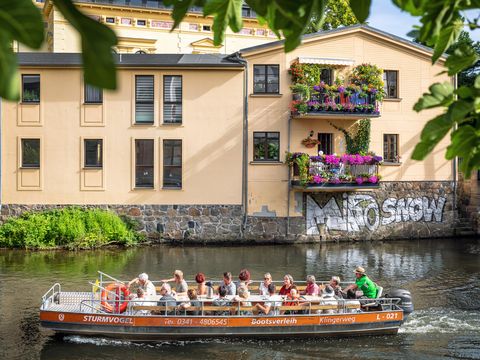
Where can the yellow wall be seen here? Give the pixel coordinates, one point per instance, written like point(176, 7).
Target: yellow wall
point(154, 39)
point(211, 134)
point(268, 182)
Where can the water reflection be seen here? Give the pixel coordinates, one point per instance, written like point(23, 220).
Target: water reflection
point(443, 275)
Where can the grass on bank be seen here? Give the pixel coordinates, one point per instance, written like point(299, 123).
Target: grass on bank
point(71, 228)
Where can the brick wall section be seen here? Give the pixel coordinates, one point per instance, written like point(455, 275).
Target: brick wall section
point(223, 223)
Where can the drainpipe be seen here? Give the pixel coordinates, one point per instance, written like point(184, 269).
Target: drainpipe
point(236, 57)
point(289, 184)
point(454, 167)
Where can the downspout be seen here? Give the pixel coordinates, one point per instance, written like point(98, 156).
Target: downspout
point(236, 57)
point(289, 184)
point(454, 169)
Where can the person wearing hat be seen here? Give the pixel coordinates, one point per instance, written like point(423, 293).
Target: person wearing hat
point(144, 284)
point(363, 283)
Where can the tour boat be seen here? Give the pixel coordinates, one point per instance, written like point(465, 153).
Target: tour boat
point(91, 313)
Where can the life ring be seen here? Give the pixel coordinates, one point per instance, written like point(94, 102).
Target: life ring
point(117, 307)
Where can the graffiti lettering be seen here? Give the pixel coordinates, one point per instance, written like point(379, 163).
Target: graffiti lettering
point(361, 211)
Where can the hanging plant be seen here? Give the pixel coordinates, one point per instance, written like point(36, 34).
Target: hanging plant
point(357, 139)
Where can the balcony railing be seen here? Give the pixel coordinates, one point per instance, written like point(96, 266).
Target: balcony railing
point(332, 172)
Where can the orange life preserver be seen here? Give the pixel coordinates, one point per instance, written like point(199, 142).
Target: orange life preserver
point(118, 307)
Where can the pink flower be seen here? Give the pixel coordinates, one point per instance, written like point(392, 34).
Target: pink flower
point(373, 179)
point(317, 179)
point(359, 180)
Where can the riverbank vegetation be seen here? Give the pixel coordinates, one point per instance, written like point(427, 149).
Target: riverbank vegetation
point(69, 228)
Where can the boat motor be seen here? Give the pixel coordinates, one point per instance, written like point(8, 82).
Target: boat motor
point(406, 303)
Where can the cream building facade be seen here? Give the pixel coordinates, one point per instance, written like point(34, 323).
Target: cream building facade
point(174, 146)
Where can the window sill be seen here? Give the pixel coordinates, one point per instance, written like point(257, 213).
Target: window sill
point(144, 188)
point(274, 95)
point(392, 99)
point(144, 124)
point(171, 188)
point(93, 168)
point(387, 163)
point(29, 167)
point(266, 163)
point(93, 103)
point(172, 124)
point(30, 103)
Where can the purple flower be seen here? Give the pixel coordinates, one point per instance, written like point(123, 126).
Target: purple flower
point(377, 159)
point(332, 159)
point(373, 179)
point(317, 179)
point(341, 89)
point(316, 159)
point(317, 88)
point(359, 180)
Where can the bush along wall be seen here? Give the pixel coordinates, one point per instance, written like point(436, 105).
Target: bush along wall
point(70, 228)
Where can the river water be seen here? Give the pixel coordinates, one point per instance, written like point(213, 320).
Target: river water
point(443, 276)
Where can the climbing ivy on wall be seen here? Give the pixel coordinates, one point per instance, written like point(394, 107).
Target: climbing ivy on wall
point(358, 138)
point(308, 74)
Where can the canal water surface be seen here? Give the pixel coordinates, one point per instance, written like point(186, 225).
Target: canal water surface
point(443, 276)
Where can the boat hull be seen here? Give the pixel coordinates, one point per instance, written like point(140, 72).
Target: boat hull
point(155, 328)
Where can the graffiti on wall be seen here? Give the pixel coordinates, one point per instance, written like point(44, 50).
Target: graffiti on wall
point(362, 212)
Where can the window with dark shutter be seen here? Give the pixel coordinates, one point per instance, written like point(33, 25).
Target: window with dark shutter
point(93, 153)
point(172, 99)
point(326, 143)
point(31, 153)
point(266, 146)
point(172, 163)
point(93, 95)
point(31, 88)
point(144, 94)
point(144, 157)
point(390, 148)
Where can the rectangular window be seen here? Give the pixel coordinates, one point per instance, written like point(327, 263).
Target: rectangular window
point(326, 75)
point(326, 143)
point(110, 20)
point(141, 22)
point(93, 95)
point(266, 146)
point(31, 88)
point(144, 94)
point(390, 148)
point(144, 156)
point(206, 28)
point(265, 79)
point(93, 153)
point(31, 153)
point(172, 99)
point(390, 83)
point(172, 163)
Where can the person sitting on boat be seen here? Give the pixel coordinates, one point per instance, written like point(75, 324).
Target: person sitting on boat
point(144, 284)
point(292, 299)
point(167, 299)
point(270, 307)
point(243, 295)
point(337, 289)
point(140, 300)
point(287, 285)
point(312, 288)
point(244, 278)
point(263, 287)
point(328, 298)
point(362, 283)
point(194, 302)
point(201, 281)
point(221, 300)
point(228, 284)
point(181, 286)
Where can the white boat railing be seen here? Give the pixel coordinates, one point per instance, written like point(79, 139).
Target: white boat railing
point(50, 294)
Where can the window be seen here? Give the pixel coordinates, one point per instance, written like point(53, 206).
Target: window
point(326, 76)
point(390, 83)
point(140, 52)
point(110, 20)
point(93, 95)
point(206, 28)
point(266, 146)
point(31, 88)
point(141, 22)
point(93, 153)
point(390, 148)
point(172, 163)
point(31, 153)
point(326, 143)
point(144, 99)
point(265, 79)
point(172, 99)
point(144, 163)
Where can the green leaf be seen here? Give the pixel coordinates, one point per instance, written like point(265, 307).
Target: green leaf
point(414, 7)
point(9, 73)
point(180, 9)
point(459, 110)
point(477, 82)
point(21, 20)
point(465, 92)
point(465, 143)
point(97, 43)
point(440, 95)
point(434, 131)
point(448, 35)
point(225, 12)
point(462, 58)
point(361, 9)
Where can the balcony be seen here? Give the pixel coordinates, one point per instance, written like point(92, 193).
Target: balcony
point(334, 173)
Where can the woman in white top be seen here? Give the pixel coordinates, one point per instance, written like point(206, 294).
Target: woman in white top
point(263, 287)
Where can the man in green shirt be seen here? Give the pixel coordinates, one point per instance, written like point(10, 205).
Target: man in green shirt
point(363, 283)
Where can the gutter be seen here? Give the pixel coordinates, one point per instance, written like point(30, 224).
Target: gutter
point(236, 57)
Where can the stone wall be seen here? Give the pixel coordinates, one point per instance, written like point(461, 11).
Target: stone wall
point(395, 210)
